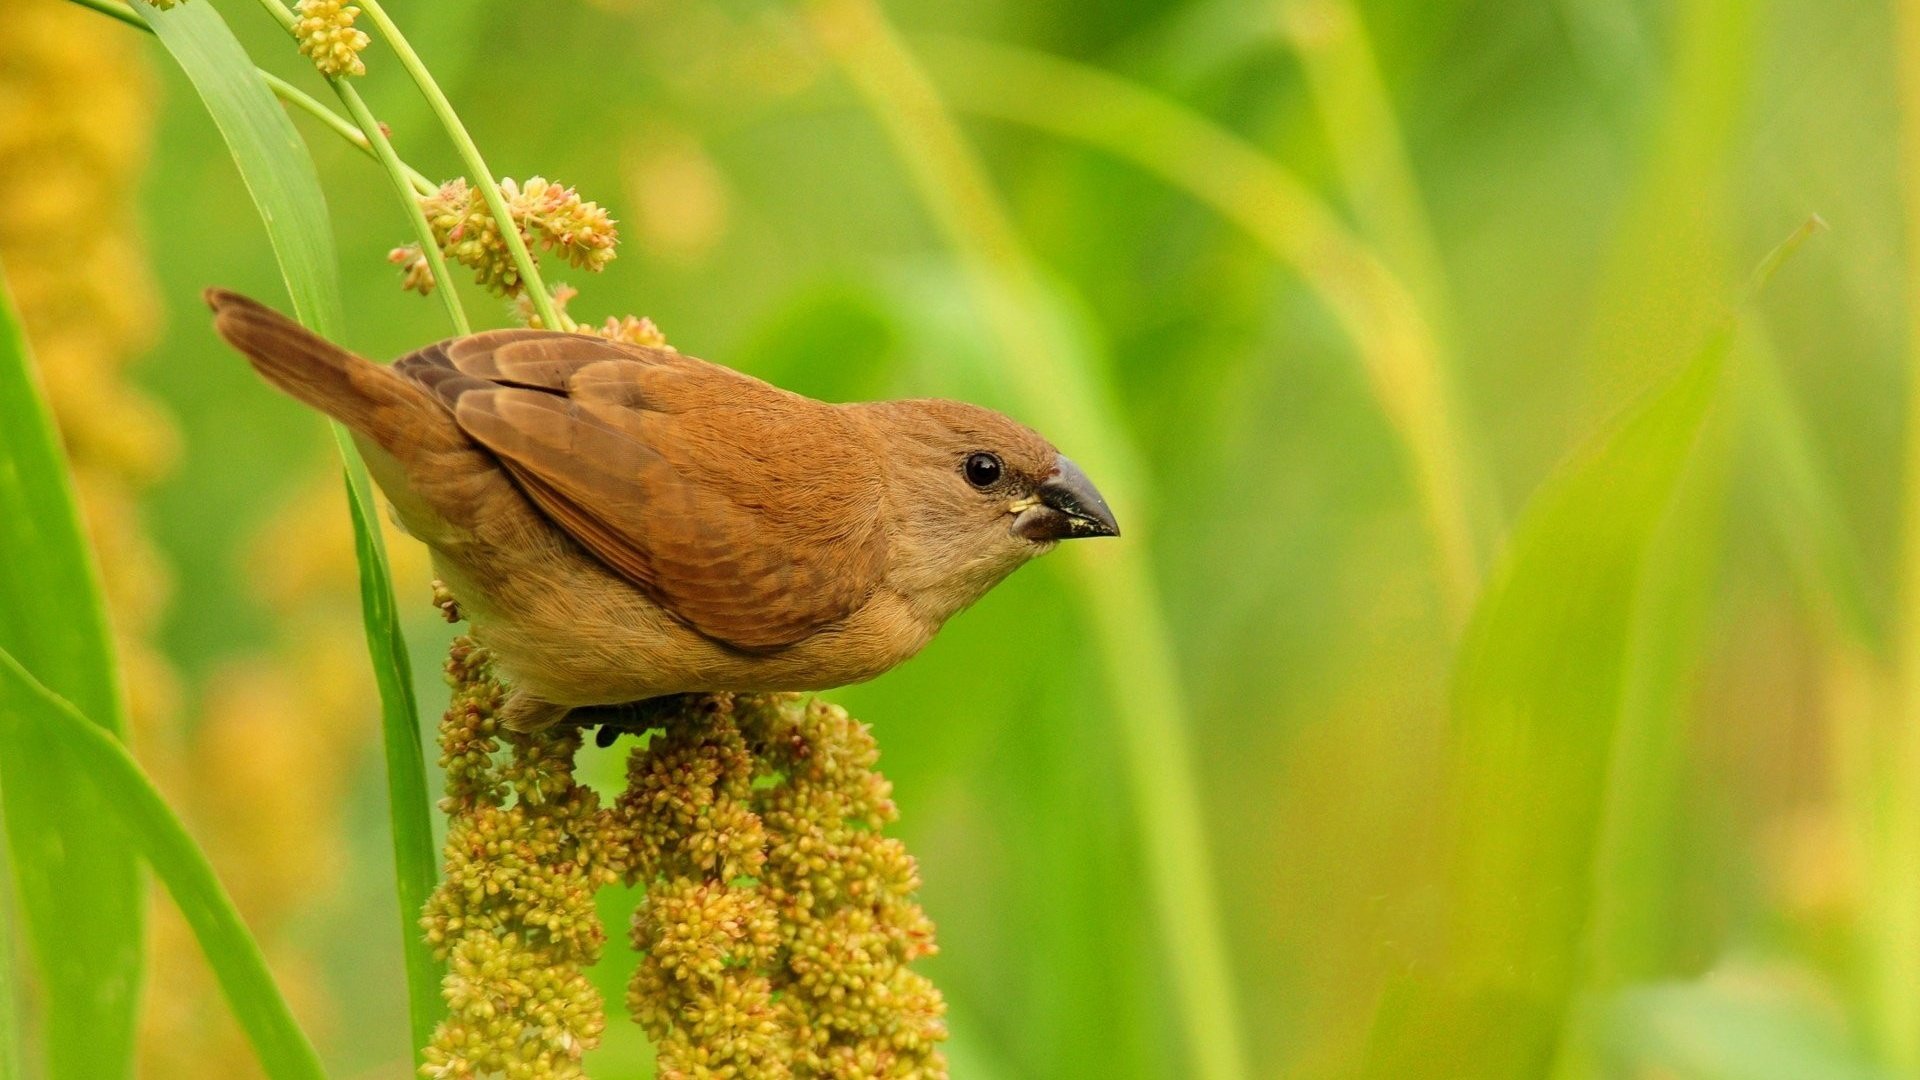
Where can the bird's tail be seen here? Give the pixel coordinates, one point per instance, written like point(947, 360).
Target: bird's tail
point(369, 398)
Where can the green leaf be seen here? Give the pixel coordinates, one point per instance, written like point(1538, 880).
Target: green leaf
point(272, 160)
point(109, 773)
point(80, 890)
point(1539, 691)
point(416, 863)
point(280, 175)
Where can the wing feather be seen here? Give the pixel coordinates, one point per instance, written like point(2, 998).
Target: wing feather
point(748, 513)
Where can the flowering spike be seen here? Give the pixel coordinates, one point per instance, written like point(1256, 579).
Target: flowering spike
point(514, 915)
point(549, 215)
point(778, 922)
point(327, 37)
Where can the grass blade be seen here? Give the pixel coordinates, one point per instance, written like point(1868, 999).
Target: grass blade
point(117, 783)
point(80, 891)
point(1402, 358)
point(280, 175)
point(272, 160)
point(1068, 394)
point(416, 863)
point(1539, 689)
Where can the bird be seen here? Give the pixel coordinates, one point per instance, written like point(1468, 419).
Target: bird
point(624, 524)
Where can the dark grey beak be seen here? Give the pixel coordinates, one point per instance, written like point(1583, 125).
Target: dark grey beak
point(1070, 507)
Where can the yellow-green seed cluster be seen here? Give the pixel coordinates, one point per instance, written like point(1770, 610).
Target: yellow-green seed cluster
point(778, 925)
point(328, 37)
point(779, 922)
point(708, 938)
point(514, 916)
point(552, 215)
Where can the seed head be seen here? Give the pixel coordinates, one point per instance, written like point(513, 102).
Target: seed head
point(548, 215)
point(328, 38)
point(514, 916)
point(778, 922)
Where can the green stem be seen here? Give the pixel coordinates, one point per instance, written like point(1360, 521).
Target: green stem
point(375, 141)
point(116, 10)
point(1066, 393)
point(409, 182)
point(282, 89)
point(483, 177)
point(282, 14)
point(339, 125)
point(403, 186)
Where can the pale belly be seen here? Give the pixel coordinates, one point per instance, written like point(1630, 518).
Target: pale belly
point(582, 635)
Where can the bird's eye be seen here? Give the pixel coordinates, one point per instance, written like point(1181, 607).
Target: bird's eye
point(983, 470)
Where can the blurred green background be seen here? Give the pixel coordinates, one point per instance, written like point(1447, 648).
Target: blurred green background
point(1651, 813)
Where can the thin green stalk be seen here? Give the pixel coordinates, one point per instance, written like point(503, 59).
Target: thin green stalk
point(340, 126)
point(1397, 349)
point(1357, 115)
point(397, 171)
point(483, 178)
point(300, 99)
point(1065, 393)
point(375, 141)
point(1897, 990)
point(117, 10)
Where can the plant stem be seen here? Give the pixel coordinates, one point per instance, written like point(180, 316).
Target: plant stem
point(340, 126)
point(404, 187)
point(1063, 389)
point(536, 289)
point(117, 10)
point(409, 182)
point(381, 147)
point(282, 89)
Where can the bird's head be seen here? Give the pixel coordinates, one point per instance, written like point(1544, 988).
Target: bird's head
point(975, 495)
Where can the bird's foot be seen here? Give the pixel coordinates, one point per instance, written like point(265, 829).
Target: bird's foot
point(631, 716)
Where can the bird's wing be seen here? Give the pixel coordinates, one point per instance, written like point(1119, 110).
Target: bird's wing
point(748, 513)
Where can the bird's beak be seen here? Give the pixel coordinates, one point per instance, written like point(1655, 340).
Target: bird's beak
point(1065, 506)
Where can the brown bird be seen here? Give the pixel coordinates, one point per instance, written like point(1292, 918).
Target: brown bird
point(622, 523)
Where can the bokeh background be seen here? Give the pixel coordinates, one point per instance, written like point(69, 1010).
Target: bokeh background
point(1337, 286)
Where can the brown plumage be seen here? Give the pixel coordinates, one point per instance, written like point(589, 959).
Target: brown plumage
point(623, 522)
